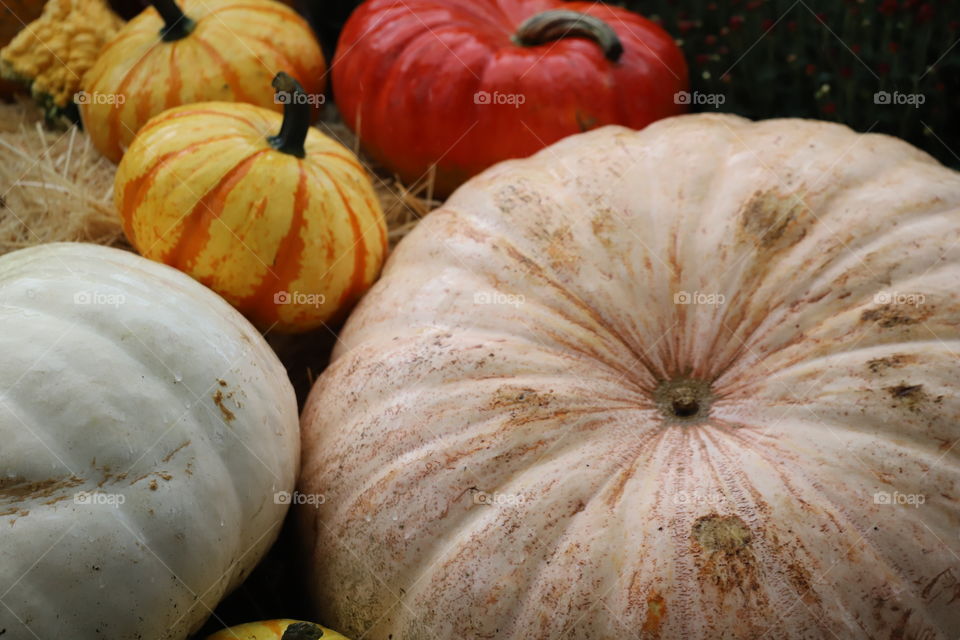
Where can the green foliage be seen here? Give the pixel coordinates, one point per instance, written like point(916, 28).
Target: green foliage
point(827, 59)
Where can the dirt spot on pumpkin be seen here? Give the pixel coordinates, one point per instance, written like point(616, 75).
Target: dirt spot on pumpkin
point(911, 396)
point(724, 554)
point(656, 611)
point(218, 397)
point(888, 316)
point(890, 362)
point(728, 534)
point(19, 488)
point(773, 221)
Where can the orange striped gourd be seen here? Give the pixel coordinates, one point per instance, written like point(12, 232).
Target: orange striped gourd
point(286, 227)
point(277, 630)
point(208, 50)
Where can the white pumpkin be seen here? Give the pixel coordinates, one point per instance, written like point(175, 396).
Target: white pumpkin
point(145, 428)
point(688, 382)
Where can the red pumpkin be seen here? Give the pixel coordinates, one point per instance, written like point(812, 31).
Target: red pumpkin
point(464, 84)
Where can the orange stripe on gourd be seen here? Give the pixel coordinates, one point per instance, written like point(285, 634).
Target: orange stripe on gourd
point(287, 263)
point(268, 217)
point(196, 230)
point(135, 190)
point(211, 61)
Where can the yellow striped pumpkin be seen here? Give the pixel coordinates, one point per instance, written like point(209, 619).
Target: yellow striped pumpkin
point(286, 227)
point(210, 50)
point(277, 630)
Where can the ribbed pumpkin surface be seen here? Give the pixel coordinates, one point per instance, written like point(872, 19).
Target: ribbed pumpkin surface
point(288, 241)
point(234, 51)
point(689, 382)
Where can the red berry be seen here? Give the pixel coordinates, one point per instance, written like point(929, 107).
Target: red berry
point(888, 7)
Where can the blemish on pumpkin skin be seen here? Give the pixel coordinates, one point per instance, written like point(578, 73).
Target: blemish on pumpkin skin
point(911, 396)
point(890, 362)
point(656, 611)
point(895, 315)
point(772, 221)
point(721, 533)
point(725, 556)
point(17, 488)
point(218, 397)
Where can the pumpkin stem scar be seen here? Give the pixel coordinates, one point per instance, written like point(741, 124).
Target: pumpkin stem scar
point(176, 25)
point(562, 23)
point(302, 631)
point(683, 400)
point(296, 116)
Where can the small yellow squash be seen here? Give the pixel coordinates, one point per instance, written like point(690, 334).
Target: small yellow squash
point(277, 630)
point(286, 227)
point(197, 51)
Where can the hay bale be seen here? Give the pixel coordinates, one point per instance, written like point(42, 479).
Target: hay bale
point(54, 186)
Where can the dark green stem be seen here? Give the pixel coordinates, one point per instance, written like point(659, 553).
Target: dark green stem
point(176, 25)
point(561, 23)
point(296, 116)
point(302, 631)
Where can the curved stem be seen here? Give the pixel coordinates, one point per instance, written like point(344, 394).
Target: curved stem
point(296, 116)
point(562, 23)
point(176, 25)
point(302, 631)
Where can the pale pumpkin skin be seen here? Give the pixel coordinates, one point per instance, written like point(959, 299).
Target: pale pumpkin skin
point(202, 189)
point(162, 394)
point(231, 55)
point(753, 518)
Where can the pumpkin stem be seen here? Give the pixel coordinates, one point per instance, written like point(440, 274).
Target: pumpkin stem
point(176, 25)
point(296, 116)
point(563, 23)
point(302, 631)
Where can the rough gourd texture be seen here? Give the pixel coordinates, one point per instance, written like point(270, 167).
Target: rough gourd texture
point(146, 428)
point(689, 382)
point(53, 52)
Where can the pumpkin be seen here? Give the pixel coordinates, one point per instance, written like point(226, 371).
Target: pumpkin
point(286, 227)
point(222, 50)
point(463, 84)
point(277, 630)
point(146, 430)
point(696, 381)
point(52, 53)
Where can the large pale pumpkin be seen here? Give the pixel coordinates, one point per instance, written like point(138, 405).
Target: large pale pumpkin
point(146, 428)
point(275, 216)
point(199, 50)
point(689, 382)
